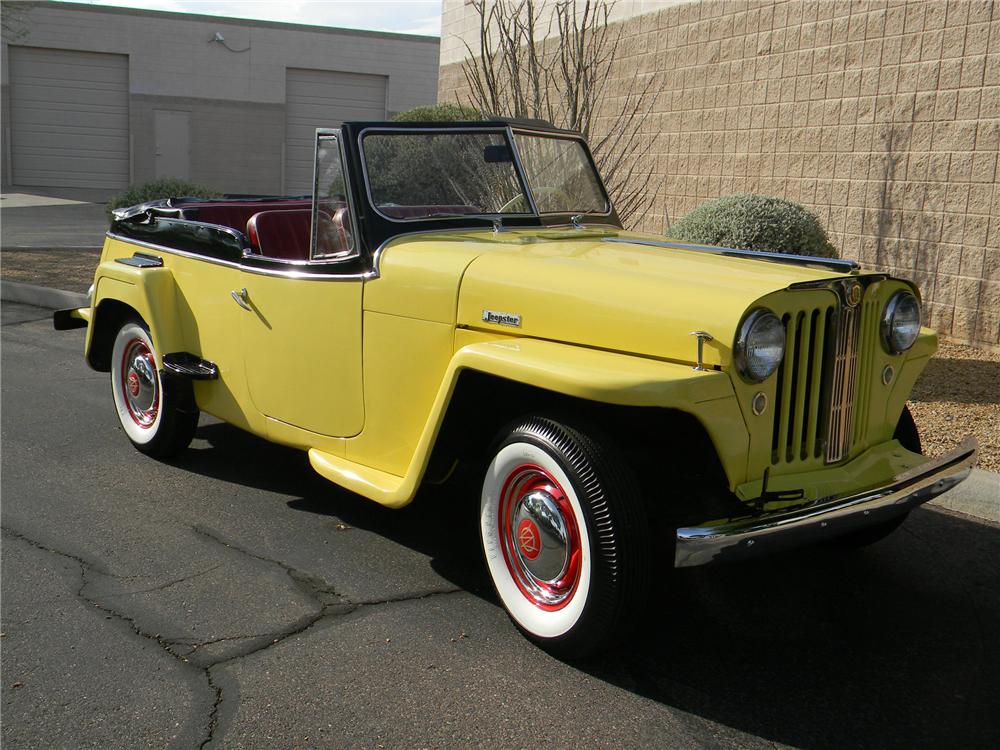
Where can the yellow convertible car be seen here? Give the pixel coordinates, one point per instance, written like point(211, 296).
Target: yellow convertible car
point(464, 295)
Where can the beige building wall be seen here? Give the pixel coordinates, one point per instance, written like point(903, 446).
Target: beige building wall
point(881, 116)
point(236, 99)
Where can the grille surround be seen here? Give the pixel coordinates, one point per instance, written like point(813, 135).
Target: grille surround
point(822, 389)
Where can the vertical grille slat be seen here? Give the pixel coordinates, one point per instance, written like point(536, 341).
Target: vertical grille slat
point(813, 442)
point(801, 385)
point(784, 405)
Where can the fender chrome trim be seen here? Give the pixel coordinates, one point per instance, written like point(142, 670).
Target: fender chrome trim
point(752, 536)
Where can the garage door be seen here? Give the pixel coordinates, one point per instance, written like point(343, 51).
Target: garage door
point(323, 99)
point(69, 118)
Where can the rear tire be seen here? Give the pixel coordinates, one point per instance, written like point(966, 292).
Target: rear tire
point(908, 436)
point(566, 537)
point(157, 413)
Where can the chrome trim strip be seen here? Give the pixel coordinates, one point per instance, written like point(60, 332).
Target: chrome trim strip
point(250, 269)
point(752, 536)
point(831, 264)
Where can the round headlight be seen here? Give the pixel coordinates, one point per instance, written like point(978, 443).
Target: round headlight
point(760, 345)
point(900, 322)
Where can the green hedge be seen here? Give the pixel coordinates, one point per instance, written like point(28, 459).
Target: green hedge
point(155, 189)
point(447, 112)
point(755, 222)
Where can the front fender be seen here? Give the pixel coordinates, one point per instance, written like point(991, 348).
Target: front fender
point(593, 375)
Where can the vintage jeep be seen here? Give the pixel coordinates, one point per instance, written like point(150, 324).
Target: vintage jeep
point(463, 295)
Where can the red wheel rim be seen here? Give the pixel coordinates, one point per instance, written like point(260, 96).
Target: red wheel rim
point(542, 551)
point(139, 385)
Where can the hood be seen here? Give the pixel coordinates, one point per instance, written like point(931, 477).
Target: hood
point(607, 290)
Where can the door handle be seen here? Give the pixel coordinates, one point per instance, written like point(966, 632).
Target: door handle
point(242, 299)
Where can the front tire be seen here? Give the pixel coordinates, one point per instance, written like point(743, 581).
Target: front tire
point(156, 414)
point(565, 536)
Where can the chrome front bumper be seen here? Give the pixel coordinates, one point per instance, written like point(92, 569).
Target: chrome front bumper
point(766, 533)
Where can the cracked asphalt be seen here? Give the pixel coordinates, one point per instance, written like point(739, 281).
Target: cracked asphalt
point(232, 598)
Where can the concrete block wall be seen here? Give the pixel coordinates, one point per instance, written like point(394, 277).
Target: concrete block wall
point(882, 116)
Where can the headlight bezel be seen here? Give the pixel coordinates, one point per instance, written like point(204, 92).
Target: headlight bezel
point(750, 321)
point(887, 323)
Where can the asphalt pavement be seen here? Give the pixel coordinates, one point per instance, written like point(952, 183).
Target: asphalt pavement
point(30, 220)
point(233, 598)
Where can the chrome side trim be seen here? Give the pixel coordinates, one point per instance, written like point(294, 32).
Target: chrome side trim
point(830, 264)
point(250, 269)
point(752, 536)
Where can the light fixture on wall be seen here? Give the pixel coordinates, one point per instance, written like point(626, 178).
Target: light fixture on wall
point(222, 40)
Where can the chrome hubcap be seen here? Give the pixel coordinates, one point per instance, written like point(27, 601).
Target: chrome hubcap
point(542, 536)
point(140, 386)
point(539, 537)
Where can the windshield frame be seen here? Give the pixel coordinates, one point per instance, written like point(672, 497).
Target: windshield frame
point(508, 131)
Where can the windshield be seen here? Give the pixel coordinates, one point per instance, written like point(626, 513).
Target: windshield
point(560, 175)
point(424, 175)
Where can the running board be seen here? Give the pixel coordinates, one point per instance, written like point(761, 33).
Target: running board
point(186, 365)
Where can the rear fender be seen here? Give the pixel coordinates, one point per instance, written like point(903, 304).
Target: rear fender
point(150, 292)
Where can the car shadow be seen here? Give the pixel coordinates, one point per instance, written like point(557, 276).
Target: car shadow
point(894, 645)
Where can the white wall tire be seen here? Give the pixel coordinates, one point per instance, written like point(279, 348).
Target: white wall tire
point(158, 418)
point(564, 536)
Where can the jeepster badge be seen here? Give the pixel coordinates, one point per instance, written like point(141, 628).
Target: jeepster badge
point(502, 318)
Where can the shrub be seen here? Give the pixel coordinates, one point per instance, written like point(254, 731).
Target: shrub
point(163, 188)
point(755, 222)
point(447, 112)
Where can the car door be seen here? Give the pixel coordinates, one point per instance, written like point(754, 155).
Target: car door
point(302, 318)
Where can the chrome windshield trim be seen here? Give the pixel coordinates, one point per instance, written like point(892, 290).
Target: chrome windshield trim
point(291, 274)
point(743, 538)
point(831, 264)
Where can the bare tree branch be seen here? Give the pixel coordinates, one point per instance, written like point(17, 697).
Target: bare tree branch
point(566, 78)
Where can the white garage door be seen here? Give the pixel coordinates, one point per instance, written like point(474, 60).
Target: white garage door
point(69, 118)
point(323, 99)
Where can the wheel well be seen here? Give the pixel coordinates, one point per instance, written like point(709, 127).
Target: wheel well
point(108, 318)
point(672, 455)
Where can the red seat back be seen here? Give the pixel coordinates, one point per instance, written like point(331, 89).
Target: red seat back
point(281, 234)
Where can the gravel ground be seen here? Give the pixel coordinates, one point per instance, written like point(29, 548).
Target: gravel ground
point(71, 270)
point(958, 393)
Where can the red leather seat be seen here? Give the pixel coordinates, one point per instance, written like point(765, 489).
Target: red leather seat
point(236, 215)
point(283, 235)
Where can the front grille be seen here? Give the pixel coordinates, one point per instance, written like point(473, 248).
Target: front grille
point(819, 407)
point(797, 433)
